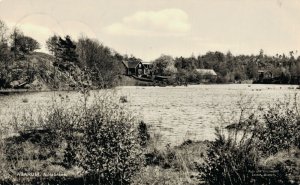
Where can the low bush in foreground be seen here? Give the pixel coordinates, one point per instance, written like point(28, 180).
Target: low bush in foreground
point(235, 162)
point(260, 149)
point(229, 161)
point(280, 128)
point(92, 144)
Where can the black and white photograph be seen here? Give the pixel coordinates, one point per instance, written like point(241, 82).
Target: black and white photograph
point(140, 92)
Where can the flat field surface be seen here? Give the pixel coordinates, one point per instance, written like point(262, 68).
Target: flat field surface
point(176, 113)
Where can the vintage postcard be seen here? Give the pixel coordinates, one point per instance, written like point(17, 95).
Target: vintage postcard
point(161, 92)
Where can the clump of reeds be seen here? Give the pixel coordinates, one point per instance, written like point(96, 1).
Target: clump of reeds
point(123, 99)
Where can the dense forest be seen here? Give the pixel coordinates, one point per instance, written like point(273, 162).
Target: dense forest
point(230, 68)
point(87, 62)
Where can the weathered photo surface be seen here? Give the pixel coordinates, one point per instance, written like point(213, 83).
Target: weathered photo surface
point(145, 92)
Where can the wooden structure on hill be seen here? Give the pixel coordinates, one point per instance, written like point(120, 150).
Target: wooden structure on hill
point(148, 68)
point(207, 75)
point(207, 72)
point(263, 74)
point(137, 68)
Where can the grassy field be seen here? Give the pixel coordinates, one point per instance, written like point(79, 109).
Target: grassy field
point(177, 113)
point(95, 139)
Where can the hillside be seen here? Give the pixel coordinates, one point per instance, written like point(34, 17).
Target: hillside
point(37, 72)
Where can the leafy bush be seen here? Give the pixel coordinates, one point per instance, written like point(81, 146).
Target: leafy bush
point(280, 129)
point(229, 161)
point(97, 142)
point(163, 158)
point(103, 140)
point(110, 143)
point(239, 155)
point(144, 135)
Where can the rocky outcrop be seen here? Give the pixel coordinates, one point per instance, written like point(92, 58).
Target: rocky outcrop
point(37, 72)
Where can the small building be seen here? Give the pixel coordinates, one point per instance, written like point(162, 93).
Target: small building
point(262, 74)
point(134, 68)
point(207, 72)
point(207, 75)
point(148, 67)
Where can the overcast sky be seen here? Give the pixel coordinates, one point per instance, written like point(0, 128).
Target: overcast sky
point(149, 28)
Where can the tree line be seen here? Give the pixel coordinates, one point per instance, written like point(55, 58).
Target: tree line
point(102, 66)
point(229, 68)
point(86, 57)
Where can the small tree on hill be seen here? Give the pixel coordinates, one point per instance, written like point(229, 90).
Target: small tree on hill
point(3, 32)
point(4, 49)
point(99, 61)
point(28, 44)
point(15, 35)
point(4, 55)
point(21, 44)
point(64, 50)
point(51, 44)
point(164, 65)
point(67, 49)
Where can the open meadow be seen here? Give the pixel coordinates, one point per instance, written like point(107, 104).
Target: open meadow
point(176, 113)
point(50, 137)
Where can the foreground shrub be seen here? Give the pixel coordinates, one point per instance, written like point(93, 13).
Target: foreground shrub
point(103, 140)
point(234, 162)
point(144, 135)
point(280, 129)
point(229, 161)
point(241, 154)
point(163, 158)
point(110, 150)
point(98, 141)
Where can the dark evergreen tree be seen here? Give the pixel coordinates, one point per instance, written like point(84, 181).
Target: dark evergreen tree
point(64, 51)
